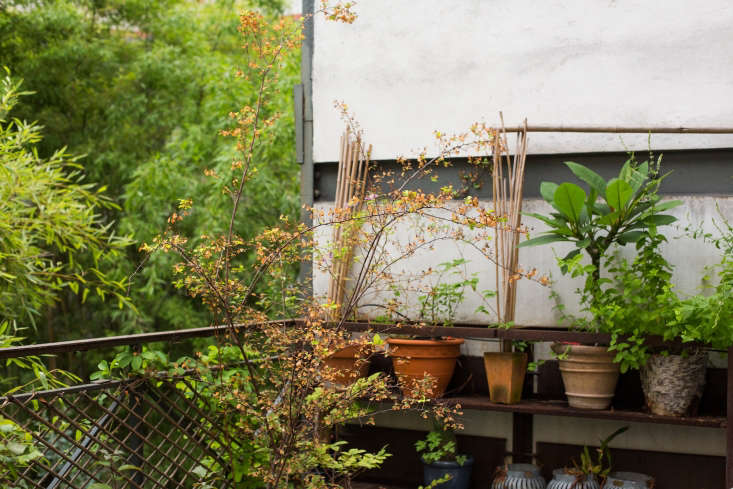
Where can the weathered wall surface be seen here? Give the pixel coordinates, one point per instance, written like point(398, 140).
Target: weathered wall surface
point(408, 68)
point(534, 306)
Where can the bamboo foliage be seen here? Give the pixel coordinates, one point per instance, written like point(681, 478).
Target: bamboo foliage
point(351, 182)
point(508, 180)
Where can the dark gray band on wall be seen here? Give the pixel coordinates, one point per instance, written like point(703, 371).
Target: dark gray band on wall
point(693, 172)
point(304, 122)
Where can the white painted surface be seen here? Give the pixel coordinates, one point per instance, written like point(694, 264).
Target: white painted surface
point(475, 423)
point(534, 306)
point(408, 68)
point(640, 436)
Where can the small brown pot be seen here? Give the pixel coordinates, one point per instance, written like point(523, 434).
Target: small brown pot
point(505, 373)
point(348, 364)
point(671, 383)
point(415, 359)
point(589, 375)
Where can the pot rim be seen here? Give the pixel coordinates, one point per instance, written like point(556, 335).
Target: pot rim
point(580, 349)
point(450, 464)
point(438, 342)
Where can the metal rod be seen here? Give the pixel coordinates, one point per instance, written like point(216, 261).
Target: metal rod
point(626, 129)
point(133, 339)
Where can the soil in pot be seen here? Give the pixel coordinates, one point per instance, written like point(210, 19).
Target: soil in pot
point(589, 375)
point(460, 474)
point(505, 372)
point(671, 383)
point(413, 360)
point(347, 365)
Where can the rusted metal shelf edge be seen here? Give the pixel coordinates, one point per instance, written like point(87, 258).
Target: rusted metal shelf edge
point(553, 408)
point(536, 333)
point(526, 333)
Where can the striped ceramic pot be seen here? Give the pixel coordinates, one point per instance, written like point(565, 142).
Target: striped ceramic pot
point(561, 479)
point(518, 476)
point(628, 480)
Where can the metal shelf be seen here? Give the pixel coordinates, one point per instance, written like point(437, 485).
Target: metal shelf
point(561, 408)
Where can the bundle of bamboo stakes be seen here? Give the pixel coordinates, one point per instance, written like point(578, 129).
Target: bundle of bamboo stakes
point(508, 180)
point(350, 190)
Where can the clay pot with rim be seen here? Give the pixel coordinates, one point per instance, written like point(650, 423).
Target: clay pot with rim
point(348, 364)
point(505, 372)
point(589, 375)
point(413, 360)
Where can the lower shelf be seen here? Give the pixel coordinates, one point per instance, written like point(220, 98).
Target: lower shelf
point(561, 408)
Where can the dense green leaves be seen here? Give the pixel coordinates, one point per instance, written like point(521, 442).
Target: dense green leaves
point(49, 218)
point(142, 89)
point(624, 210)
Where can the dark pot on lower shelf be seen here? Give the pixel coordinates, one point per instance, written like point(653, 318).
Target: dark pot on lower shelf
point(460, 474)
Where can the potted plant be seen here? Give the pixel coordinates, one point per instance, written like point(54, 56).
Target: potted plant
point(615, 212)
point(424, 366)
point(443, 467)
point(641, 301)
point(590, 473)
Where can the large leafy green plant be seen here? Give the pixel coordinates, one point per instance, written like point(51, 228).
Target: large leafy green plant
point(619, 211)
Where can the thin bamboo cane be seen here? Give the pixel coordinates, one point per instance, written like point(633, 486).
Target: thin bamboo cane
point(351, 182)
point(508, 178)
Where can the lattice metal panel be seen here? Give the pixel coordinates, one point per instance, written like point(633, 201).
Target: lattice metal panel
point(136, 434)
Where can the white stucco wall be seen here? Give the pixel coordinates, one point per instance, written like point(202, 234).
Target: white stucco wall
point(408, 68)
point(534, 306)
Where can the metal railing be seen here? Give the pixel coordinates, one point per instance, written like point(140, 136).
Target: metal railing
point(141, 433)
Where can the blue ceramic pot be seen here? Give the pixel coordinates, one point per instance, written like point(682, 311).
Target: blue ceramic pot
point(460, 474)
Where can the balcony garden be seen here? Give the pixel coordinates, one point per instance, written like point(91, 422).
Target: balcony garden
point(289, 384)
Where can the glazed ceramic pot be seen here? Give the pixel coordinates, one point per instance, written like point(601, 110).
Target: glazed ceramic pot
point(518, 476)
point(628, 480)
point(460, 475)
point(413, 360)
point(562, 479)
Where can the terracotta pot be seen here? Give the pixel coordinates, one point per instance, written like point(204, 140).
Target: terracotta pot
point(672, 382)
point(415, 359)
point(505, 373)
point(348, 364)
point(589, 375)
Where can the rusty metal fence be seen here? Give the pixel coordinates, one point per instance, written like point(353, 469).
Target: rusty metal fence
point(140, 433)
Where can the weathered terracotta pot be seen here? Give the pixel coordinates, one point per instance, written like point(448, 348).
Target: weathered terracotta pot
point(413, 360)
point(348, 364)
point(505, 373)
point(672, 382)
point(589, 375)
